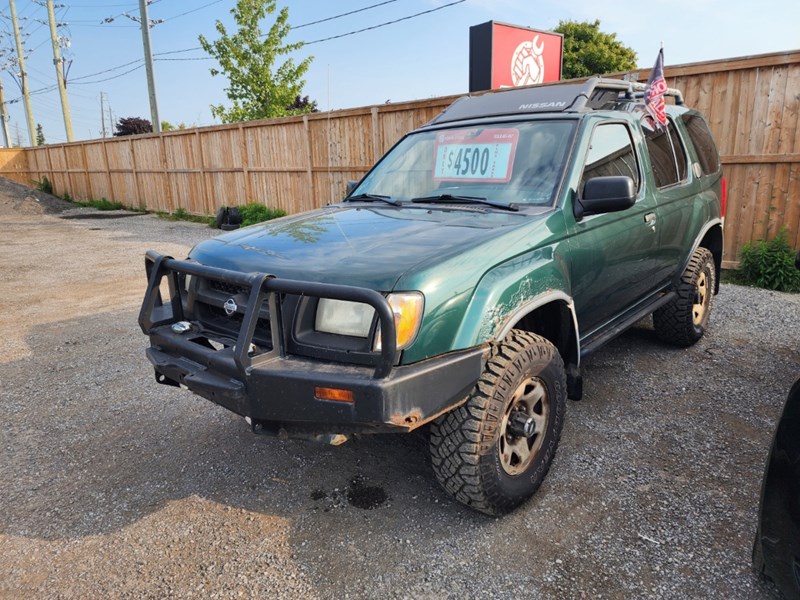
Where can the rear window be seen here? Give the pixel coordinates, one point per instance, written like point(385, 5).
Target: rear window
point(666, 153)
point(703, 142)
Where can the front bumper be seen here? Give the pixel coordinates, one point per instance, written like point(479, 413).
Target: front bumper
point(279, 390)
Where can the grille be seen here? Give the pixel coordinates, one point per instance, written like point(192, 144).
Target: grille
point(228, 288)
point(216, 319)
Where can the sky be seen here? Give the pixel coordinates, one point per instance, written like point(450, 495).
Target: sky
point(403, 55)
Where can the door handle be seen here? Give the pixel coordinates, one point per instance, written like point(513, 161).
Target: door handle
point(650, 218)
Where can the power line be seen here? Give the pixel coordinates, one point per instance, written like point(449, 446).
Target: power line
point(336, 17)
point(425, 12)
point(133, 62)
point(136, 68)
point(82, 80)
point(190, 58)
point(352, 12)
point(165, 19)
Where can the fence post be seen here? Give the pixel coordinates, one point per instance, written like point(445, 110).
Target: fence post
point(86, 172)
point(244, 150)
point(308, 198)
point(165, 167)
point(203, 182)
point(376, 135)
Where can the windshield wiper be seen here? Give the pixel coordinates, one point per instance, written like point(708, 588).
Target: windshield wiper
point(451, 199)
point(370, 197)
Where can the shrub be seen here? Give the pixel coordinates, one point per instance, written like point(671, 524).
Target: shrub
point(105, 204)
point(44, 185)
point(253, 213)
point(770, 264)
point(181, 214)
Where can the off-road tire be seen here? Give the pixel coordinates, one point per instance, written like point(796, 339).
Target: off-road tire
point(684, 319)
point(472, 447)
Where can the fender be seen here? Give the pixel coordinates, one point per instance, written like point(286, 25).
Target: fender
point(717, 222)
point(552, 297)
point(510, 291)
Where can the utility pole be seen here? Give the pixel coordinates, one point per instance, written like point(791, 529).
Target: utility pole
point(4, 118)
point(58, 62)
point(26, 97)
point(148, 63)
point(102, 115)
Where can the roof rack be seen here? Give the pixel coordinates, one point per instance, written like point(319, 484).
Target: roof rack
point(593, 94)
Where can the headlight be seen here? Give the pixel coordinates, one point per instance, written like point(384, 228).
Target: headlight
point(407, 308)
point(355, 319)
point(344, 318)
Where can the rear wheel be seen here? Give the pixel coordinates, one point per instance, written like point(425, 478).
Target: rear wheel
point(683, 321)
point(493, 452)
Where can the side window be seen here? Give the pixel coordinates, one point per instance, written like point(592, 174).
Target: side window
point(703, 142)
point(666, 151)
point(610, 153)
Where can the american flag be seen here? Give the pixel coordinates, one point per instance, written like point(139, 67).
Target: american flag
point(655, 90)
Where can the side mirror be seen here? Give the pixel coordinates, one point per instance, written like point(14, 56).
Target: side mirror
point(351, 185)
point(605, 194)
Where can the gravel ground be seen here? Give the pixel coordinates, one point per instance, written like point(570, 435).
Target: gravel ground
point(116, 487)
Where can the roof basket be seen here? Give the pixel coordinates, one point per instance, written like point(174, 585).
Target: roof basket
point(593, 94)
point(596, 92)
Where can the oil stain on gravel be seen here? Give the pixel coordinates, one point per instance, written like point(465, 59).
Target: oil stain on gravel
point(361, 495)
point(358, 494)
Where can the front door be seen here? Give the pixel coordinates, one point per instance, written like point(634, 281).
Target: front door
point(612, 254)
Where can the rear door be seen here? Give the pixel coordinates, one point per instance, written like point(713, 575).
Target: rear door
point(676, 188)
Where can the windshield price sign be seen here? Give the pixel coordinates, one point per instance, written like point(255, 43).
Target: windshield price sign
point(485, 155)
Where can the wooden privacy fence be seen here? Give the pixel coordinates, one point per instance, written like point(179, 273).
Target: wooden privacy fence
point(300, 163)
point(294, 163)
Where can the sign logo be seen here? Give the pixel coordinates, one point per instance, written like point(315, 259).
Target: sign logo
point(527, 63)
point(230, 307)
point(504, 56)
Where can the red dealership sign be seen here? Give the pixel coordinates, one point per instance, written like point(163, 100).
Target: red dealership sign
point(509, 56)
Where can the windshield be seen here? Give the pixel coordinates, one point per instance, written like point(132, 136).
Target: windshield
point(517, 163)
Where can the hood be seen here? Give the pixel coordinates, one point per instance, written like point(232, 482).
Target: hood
point(365, 246)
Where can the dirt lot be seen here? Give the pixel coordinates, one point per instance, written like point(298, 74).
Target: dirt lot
point(115, 487)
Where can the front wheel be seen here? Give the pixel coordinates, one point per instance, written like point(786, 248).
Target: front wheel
point(493, 452)
point(684, 319)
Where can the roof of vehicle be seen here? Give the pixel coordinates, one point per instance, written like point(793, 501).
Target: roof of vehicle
point(595, 93)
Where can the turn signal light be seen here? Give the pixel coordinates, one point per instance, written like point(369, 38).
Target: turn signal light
point(333, 394)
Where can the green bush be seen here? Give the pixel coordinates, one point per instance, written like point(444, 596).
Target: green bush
point(253, 213)
point(105, 204)
point(44, 185)
point(770, 264)
point(181, 214)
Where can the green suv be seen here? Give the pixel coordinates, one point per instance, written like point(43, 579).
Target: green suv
point(459, 283)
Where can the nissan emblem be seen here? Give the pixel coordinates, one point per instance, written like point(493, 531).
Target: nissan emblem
point(230, 307)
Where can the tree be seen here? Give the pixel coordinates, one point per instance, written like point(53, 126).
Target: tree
point(258, 87)
point(303, 105)
point(133, 126)
point(588, 51)
point(167, 126)
point(40, 135)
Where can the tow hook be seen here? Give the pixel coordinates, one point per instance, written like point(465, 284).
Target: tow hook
point(520, 424)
